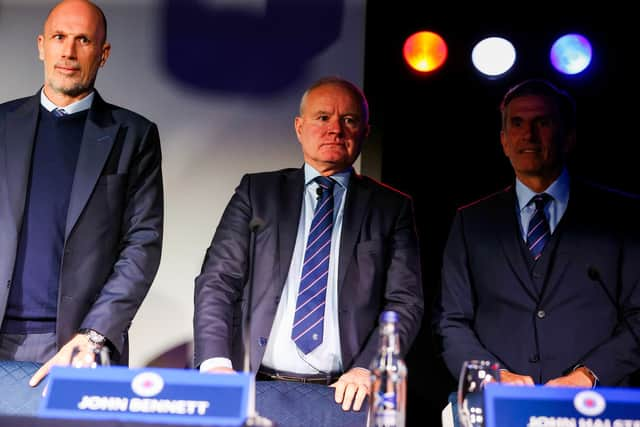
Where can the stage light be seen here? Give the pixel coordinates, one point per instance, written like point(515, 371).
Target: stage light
point(571, 54)
point(493, 56)
point(425, 51)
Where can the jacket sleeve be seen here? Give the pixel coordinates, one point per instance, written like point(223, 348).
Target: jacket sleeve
point(219, 286)
point(454, 305)
point(401, 275)
point(140, 243)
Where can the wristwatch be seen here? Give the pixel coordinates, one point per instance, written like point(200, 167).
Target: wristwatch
point(588, 372)
point(95, 338)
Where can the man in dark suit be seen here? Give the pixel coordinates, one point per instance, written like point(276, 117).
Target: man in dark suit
point(81, 204)
point(543, 277)
point(370, 260)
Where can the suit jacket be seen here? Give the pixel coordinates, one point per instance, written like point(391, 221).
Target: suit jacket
point(114, 223)
point(379, 267)
point(491, 308)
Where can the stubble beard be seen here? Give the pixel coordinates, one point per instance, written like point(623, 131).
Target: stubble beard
point(74, 90)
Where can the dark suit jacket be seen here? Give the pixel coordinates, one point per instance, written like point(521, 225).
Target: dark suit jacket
point(114, 223)
point(379, 267)
point(491, 309)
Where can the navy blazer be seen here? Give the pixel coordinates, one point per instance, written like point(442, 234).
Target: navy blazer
point(379, 267)
point(114, 223)
point(490, 307)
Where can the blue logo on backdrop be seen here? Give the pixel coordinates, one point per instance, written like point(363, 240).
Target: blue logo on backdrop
point(229, 48)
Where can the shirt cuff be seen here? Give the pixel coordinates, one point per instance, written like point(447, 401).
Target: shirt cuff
point(215, 362)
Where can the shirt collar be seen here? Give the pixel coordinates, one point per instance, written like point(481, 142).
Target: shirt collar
point(559, 190)
point(76, 107)
point(341, 178)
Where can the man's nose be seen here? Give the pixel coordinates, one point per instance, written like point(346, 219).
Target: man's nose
point(69, 48)
point(335, 125)
point(529, 131)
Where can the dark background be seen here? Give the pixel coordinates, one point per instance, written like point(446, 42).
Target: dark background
point(438, 134)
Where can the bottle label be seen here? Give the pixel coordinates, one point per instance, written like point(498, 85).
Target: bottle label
point(385, 409)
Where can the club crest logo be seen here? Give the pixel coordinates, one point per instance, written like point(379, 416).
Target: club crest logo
point(147, 384)
point(589, 403)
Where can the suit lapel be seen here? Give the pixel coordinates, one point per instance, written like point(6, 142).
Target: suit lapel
point(568, 234)
point(509, 236)
point(99, 135)
point(355, 210)
point(21, 131)
point(290, 204)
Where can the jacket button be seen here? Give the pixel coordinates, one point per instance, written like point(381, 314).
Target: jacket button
point(541, 314)
point(534, 358)
point(9, 283)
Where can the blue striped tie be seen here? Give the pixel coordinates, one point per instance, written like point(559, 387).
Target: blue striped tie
point(59, 112)
point(308, 321)
point(539, 232)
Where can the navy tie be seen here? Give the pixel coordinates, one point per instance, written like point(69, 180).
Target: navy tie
point(539, 232)
point(59, 112)
point(308, 321)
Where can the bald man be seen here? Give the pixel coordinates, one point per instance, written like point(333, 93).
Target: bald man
point(81, 204)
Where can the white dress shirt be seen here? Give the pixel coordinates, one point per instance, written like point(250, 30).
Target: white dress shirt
point(281, 353)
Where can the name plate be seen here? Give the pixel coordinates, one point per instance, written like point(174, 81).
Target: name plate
point(540, 406)
point(160, 395)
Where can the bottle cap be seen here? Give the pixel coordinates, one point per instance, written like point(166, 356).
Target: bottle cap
point(389, 316)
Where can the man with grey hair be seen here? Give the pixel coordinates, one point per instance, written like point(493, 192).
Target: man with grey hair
point(543, 276)
point(333, 250)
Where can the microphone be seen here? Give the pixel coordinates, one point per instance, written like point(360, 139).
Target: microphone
point(254, 225)
point(594, 274)
point(253, 418)
point(318, 193)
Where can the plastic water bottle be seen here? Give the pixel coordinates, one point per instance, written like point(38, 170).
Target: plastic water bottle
point(388, 395)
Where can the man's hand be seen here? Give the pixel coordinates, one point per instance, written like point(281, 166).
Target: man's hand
point(79, 349)
point(507, 377)
point(352, 387)
point(580, 377)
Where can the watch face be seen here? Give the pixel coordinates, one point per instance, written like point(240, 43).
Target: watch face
point(96, 337)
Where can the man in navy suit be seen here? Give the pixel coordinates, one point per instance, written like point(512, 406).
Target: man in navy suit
point(81, 204)
point(374, 262)
point(554, 295)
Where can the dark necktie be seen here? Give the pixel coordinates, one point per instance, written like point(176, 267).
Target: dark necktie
point(539, 232)
point(58, 112)
point(308, 321)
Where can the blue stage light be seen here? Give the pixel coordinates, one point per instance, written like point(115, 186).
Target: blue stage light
point(571, 54)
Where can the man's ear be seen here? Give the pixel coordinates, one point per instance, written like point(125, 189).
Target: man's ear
point(570, 141)
point(297, 125)
point(40, 44)
point(106, 51)
point(503, 142)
